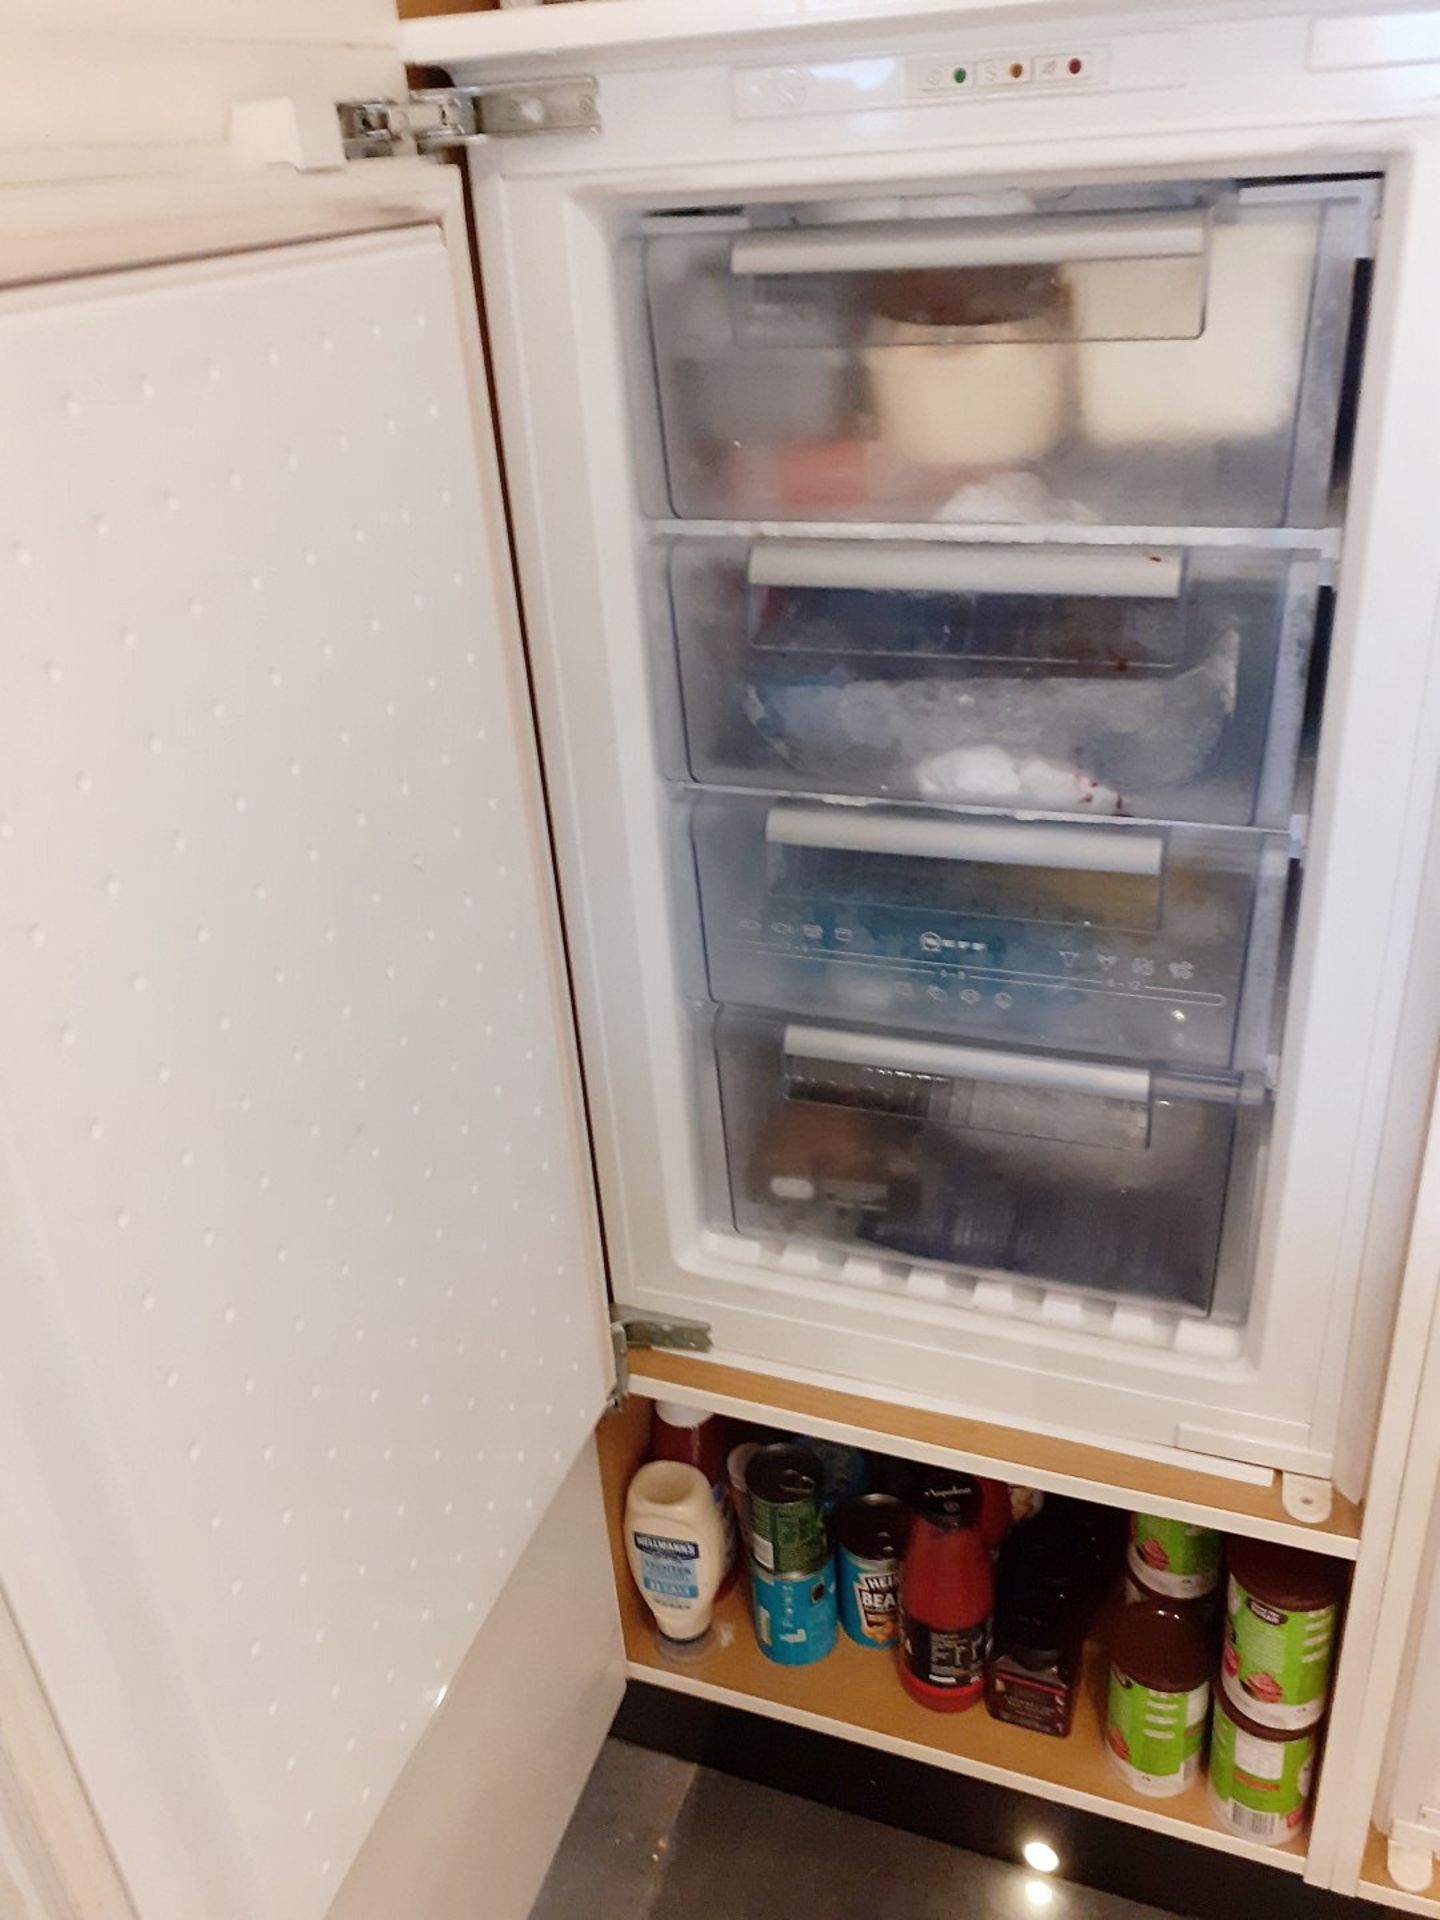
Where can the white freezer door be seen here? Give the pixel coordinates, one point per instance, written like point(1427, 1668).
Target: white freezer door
point(303, 1328)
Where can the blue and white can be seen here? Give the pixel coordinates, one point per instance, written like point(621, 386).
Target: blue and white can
point(870, 1535)
point(795, 1614)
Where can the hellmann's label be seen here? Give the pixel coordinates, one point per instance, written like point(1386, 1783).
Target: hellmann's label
point(668, 1566)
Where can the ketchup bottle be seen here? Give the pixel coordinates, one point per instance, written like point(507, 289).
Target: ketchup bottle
point(947, 1594)
point(696, 1438)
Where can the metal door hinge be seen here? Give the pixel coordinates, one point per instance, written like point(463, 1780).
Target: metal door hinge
point(630, 1329)
point(439, 119)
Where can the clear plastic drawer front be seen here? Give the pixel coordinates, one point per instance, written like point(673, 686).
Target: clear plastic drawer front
point(1142, 365)
point(1160, 683)
point(1140, 943)
point(1066, 1173)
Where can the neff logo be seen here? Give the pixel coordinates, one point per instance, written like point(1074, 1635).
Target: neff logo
point(660, 1544)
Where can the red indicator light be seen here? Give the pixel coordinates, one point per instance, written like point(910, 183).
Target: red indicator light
point(1077, 66)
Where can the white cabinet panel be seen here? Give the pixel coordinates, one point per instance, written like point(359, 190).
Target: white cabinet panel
point(158, 78)
point(470, 1828)
point(311, 1326)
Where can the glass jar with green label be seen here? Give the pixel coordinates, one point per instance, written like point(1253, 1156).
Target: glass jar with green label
point(1173, 1558)
point(1282, 1611)
point(1159, 1698)
point(1260, 1780)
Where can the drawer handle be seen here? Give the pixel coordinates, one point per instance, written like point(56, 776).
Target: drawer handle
point(1093, 572)
point(999, 241)
point(1041, 1072)
point(1008, 843)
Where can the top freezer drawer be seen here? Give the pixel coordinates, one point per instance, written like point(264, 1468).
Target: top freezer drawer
point(1165, 364)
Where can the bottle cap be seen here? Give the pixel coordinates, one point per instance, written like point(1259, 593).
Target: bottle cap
point(676, 1415)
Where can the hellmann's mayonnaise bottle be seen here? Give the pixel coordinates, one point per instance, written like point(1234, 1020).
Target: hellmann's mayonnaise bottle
point(675, 1543)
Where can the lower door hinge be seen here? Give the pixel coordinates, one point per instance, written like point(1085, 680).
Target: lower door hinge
point(439, 119)
point(629, 1328)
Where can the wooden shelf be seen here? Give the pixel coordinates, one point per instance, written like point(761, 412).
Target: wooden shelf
point(1376, 1884)
point(855, 1694)
point(1008, 1453)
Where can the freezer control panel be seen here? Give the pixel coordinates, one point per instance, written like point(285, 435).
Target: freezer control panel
point(973, 76)
point(963, 72)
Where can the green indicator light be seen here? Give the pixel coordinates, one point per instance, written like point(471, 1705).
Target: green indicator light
point(961, 76)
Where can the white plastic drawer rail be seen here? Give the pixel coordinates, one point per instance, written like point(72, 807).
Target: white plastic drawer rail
point(1090, 573)
point(1009, 843)
point(898, 1055)
point(902, 245)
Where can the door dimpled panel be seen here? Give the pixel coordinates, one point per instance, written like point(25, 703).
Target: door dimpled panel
point(296, 1173)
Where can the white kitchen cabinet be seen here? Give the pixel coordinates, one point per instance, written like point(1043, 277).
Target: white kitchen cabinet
point(311, 1335)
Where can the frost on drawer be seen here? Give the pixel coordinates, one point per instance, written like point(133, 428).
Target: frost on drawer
point(1136, 943)
point(1162, 683)
point(1158, 356)
point(1071, 1173)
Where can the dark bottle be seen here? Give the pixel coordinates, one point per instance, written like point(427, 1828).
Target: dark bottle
point(1034, 1669)
point(1043, 1582)
point(1092, 1539)
point(947, 1594)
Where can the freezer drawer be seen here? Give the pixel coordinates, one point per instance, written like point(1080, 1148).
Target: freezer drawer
point(1138, 943)
point(1068, 1173)
point(1163, 683)
point(1147, 357)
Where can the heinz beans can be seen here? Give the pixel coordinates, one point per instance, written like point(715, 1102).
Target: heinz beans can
point(870, 1534)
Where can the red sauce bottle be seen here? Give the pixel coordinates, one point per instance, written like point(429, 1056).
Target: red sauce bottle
point(697, 1438)
point(947, 1594)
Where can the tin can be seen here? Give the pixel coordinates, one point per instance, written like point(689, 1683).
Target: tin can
point(1260, 1780)
point(787, 1527)
point(1281, 1623)
point(870, 1534)
point(795, 1617)
point(736, 1462)
point(1172, 1558)
point(844, 1470)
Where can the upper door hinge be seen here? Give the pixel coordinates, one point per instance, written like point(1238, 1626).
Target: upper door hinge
point(629, 1328)
point(439, 119)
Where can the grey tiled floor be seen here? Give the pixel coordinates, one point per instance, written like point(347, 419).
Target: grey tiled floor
point(658, 1839)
